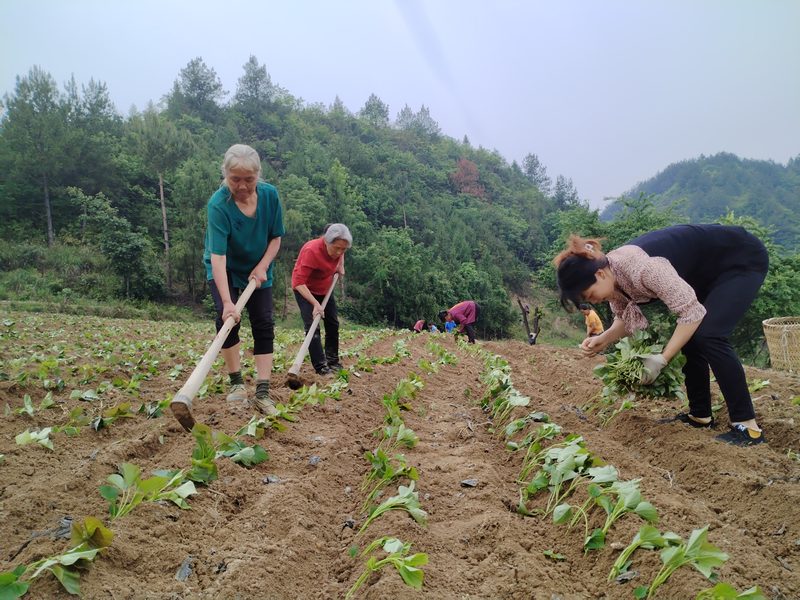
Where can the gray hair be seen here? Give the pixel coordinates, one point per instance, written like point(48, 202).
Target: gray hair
point(241, 156)
point(338, 231)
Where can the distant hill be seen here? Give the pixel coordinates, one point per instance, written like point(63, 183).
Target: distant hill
point(705, 188)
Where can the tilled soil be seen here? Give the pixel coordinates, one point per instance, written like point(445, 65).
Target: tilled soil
point(282, 529)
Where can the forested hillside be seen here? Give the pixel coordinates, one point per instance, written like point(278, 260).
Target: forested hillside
point(99, 205)
point(707, 188)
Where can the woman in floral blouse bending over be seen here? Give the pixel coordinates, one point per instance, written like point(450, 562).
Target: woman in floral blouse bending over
point(708, 275)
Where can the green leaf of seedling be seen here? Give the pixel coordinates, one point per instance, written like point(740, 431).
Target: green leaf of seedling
point(130, 473)
point(91, 532)
point(411, 576)
point(725, 591)
point(47, 401)
point(392, 545)
point(252, 455)
point(27, 406)
point(41, 437)
point(554, 555)
point(109, 492)
point(10, 585)
point(595, 541)
point(562, 514)
point(69, 578)
point(606, 474)
point(647, 511)
point(640, 592)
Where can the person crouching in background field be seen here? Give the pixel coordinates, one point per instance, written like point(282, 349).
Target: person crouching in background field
point(245, 226)
point(312, 277)
point(419, 326)
point(708, 275)
point(464, 315)
point(594, 326)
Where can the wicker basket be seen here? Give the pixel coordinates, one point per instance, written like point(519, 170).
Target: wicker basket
point(783, 341)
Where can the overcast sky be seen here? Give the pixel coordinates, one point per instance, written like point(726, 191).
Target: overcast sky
point(607, 93)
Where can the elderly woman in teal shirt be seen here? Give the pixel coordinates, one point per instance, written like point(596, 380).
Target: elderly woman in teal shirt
point(245, 226)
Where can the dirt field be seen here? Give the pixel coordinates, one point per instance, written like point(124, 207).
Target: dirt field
point(282, 529)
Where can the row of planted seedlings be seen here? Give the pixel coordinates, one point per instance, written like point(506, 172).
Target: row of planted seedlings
point(389, 466)
point(584, 491)
point(92, 411)
point(126, 489)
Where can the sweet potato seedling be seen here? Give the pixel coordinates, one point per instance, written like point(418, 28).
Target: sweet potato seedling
point(649, 538)
point(41, 437)
point(619, 498)
point(406, 499)
point(696, 551)
point(385, 469)
point(397, 555)
point(88, 538)
point(126, 489)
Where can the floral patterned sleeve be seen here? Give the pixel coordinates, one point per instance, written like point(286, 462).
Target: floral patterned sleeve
point(663, 282)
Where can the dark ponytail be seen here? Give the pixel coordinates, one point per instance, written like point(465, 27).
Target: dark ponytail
point(576, 268)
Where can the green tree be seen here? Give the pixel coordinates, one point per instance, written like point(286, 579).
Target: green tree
point(564, 193)
point(127, 249)
point(375, 112)
point(197, 92)
point(194, 182)
point(36, 134)
point(161, 146)
point(536, 173)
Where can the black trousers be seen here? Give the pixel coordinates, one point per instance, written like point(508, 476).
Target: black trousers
point(331, 319)
point(259, 309)
point(725, 303)
point(470, 329)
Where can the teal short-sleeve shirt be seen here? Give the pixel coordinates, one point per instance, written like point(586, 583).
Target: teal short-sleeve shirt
point(241, 239)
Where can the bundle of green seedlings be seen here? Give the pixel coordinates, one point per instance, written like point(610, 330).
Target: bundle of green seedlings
point(621, 375)
point(397, 555)
point(88, 538)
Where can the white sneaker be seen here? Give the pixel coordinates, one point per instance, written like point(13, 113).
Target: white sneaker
point(238, 393)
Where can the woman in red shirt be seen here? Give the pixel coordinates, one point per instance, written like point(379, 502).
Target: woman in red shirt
point(312, 277)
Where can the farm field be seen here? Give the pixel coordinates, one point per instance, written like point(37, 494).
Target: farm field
point(284, 528)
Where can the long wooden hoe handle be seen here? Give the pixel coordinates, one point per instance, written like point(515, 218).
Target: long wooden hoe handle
point(298, 361)
point(181, 404)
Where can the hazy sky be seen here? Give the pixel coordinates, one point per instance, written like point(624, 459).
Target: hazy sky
point(607, 92)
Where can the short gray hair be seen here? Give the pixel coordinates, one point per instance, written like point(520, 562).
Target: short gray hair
point(338, 231)
point(241, 156)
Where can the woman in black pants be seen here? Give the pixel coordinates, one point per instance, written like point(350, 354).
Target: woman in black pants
point(709, 276)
